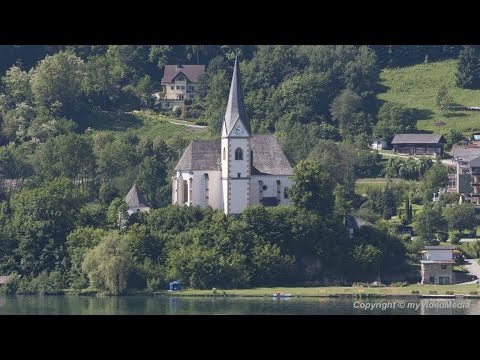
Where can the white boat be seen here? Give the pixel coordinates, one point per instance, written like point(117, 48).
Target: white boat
point(282, 295)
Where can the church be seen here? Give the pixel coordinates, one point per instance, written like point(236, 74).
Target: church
point(236, 171)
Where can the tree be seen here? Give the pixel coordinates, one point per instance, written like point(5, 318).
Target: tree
point(430, 223)
point(108, 264)
point(443, 100)
point(435, 178)
point(468, 68)
point(313, 187)
point(461, 217)
point(152, 176)
point(57, 80)
point(344, 107)
point(394, 119)
point(453, 136)
point(17, 85)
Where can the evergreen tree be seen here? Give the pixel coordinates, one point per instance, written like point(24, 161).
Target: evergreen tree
point(468, 70)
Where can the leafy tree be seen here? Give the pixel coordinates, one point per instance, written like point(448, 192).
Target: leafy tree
point(41, 220)
point(394, 119)
point(453, 136)
point(468, 69)
point(430, 223)
point(434, 179)
point(313, 187)
point(57, 80)
point(17, 85)
point(108, 264)
point(460, 217)
point(152, 176)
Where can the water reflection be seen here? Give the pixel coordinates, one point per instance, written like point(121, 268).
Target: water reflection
point(138, 305)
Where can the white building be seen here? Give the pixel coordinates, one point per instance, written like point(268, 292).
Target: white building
point(238, 170)
point(379, 144)
point(136, 201)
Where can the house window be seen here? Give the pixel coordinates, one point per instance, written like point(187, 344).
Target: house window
point(182, 87)
point(432, 279)
point(239, 175)
point(224, 154)
point(172, 87)
point(239, 154)
point(444, 266)
point(178, 87)
point(264, 187)
point(285, 193)
point(185, 191)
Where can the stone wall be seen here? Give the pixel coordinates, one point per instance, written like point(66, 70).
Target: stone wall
point(435, 270)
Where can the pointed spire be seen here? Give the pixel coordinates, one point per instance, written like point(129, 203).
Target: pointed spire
point(235, 106)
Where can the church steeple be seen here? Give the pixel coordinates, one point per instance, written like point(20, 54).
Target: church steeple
point(236, 112)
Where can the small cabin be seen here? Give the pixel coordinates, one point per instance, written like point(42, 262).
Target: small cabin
point(437, 265)
point(378, 144)
point(175, 286)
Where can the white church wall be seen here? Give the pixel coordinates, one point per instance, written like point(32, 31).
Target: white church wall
point(241, 167)
point(270, 181)
point(238, 196)
point(199, 186)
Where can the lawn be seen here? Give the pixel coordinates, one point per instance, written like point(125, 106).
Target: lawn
point(333, 290)
point(416, 87)
point(147, 125)
point(363, 185)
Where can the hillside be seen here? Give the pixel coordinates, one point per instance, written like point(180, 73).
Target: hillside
point(148, 125)
point(416, 87)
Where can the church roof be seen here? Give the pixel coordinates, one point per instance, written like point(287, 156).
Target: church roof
point(235, 106)
point(268, 157)
point(192, 72)
point(135, 198)
point(201, 155)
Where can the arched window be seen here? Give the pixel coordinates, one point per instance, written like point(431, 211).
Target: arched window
point(239, 154)
point(285, 193)
point(185, 191)
point(224, 154)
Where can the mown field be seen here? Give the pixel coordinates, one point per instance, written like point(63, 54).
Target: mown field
point(147, 125)
point(416, 87)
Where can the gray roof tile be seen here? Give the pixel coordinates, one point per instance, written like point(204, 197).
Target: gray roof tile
point(268, 157)
point(418, 139)
point(135, 198)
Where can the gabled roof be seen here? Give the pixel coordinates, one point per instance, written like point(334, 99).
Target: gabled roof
point(418, 139)
point(465, 153)
point(201, 155)
point(475, 162)
point(192, 72)
point(135, 198)
point(235, 106)
point(268, 157)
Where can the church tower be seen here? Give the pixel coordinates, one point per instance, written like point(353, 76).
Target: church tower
point(236, 162)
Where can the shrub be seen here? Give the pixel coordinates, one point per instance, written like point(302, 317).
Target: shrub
point(177, 110)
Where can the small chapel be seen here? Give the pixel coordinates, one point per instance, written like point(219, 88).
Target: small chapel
point(235, 171)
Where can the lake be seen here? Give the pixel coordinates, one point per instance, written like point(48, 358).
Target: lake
point(160, 305)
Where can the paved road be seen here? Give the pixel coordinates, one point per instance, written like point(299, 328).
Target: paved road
point(472, 266)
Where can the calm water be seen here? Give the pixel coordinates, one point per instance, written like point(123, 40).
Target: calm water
point(139, 305)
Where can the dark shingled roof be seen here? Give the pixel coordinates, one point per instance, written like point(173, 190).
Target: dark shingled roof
point(135, 199)
point(465, 153)
point(418, 139)
point(192, 72)
point(201, 155)
point(353, 222)
point(268, 157)
point(235, 106)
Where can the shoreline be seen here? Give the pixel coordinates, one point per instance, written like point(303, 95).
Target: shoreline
point(471, 291)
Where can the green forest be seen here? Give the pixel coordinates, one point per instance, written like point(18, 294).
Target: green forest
point(79, 126)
